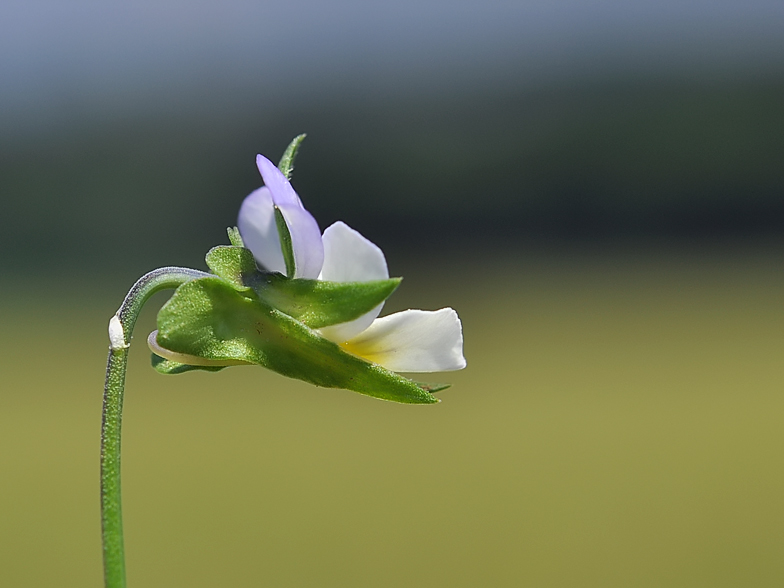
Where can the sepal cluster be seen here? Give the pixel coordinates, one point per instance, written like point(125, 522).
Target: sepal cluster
point(213, 322)
point(315, 303)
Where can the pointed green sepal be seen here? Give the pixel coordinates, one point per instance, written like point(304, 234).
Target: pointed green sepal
point(432, 388)
point(169, 367)
point(285, 243)
point(235, 264)
point(317, 303)
point(234, 237)
point(210, 319)
point(286, 164)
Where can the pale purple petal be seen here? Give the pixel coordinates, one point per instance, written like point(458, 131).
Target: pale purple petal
point(256, 223)
point(259, 230)
point(305, 241)
point(280, 188)
point(350, 257)
point(413, 341)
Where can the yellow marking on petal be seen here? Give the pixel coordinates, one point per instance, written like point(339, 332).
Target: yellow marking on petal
point(369, 351)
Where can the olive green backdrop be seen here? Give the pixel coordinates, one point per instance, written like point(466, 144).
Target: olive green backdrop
point(608, 227)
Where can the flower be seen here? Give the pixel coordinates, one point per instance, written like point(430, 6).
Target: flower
point(407, 341)
point(311, 314)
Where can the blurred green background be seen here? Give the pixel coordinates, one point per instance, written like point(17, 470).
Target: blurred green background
point(595, 187)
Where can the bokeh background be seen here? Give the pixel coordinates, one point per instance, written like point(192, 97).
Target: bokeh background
point(595, 186)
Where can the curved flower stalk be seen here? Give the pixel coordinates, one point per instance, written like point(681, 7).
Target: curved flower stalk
point(313, 306)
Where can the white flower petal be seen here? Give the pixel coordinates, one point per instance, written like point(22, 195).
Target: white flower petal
point(350, 257)
point(256, 222)
point(413, 341)
point(345, 331)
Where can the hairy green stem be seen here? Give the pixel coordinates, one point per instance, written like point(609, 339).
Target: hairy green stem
point(120, 330)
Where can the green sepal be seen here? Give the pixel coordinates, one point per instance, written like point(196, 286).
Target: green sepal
point(432, 388)
point(317, 303)
point(210, 319)
point(234, 237)
point(286, 246)
point(286, 165)
point(235, 264)
point(169, 367)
